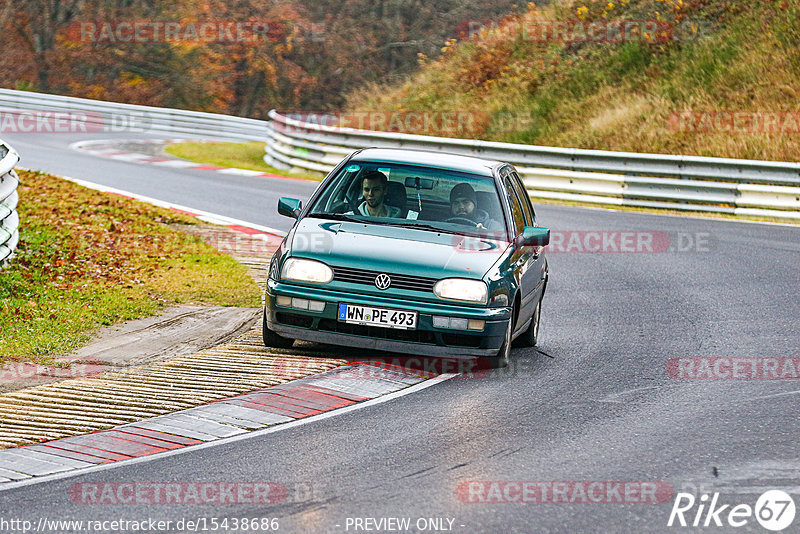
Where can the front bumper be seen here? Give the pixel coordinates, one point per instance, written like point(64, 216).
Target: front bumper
point(426, 340)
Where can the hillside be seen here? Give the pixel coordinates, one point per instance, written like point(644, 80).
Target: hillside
point(242, 58)
point(528, 79)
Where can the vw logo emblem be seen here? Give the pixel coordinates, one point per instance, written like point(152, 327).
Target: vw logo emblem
point(382, 281)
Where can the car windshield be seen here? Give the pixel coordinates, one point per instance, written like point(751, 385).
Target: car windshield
point(415, 197)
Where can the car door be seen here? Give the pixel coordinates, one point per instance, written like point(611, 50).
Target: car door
point(540, 263)
point(523, 259)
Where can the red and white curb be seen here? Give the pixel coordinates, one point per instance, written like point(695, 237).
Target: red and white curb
point(111, 149)
point(261, 411)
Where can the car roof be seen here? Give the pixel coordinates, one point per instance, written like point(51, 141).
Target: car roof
point(441, 160)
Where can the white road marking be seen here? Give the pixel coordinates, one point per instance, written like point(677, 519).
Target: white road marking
point(242, 172)
point(176, 163)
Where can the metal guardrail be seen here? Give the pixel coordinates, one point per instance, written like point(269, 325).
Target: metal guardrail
point(100, 116)
point(685, 183)
point(9, 219)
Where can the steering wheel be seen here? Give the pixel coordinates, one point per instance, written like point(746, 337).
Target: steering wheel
point(461, 220)
point(341, 206)
point(354, 203)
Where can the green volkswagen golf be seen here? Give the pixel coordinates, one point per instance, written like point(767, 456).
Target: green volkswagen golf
point(414, 252)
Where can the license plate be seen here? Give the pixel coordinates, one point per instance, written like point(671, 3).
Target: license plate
point(368, 315)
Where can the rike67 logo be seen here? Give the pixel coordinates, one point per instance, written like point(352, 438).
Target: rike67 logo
point(774, 510)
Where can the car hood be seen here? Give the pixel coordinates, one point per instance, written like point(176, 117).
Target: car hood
point(394, 249)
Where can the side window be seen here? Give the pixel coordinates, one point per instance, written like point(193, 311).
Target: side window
point(525, 200)
point(516, 209)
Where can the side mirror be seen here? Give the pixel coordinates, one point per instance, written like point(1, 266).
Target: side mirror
point(290, 207)
point(535, 236)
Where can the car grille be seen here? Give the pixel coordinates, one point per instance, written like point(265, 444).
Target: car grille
point(399, 281)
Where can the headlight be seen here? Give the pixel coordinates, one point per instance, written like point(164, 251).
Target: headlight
point(302, 270)
point(461, 289)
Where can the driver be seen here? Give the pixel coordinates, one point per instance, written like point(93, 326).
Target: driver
point(374, 185)
point(463, 205)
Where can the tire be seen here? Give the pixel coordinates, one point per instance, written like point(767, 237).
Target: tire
point(530, 337)
point(501, 360)
point(273, 340)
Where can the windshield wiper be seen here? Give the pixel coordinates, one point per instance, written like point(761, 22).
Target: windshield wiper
point(335, 216)
point(423, 226)
point(345, 217)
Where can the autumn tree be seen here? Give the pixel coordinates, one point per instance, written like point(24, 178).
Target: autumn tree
point(315, 53)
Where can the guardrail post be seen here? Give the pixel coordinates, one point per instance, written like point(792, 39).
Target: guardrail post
point(9, 219)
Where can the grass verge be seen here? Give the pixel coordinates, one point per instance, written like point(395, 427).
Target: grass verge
point(88, 259)
point(236, 155)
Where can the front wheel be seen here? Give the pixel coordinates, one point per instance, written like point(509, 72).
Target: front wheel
point(530, 337)
point(273, 340)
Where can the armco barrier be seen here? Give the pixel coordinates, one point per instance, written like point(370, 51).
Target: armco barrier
point(100, 116)
point(9, 220)
point(686, 183)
